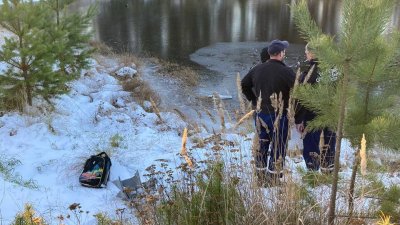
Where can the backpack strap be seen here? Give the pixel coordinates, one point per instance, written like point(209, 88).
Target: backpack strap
point(105, 156)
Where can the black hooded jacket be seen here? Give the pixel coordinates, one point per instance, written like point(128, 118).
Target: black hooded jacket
point(270, 77)
point(302, 113)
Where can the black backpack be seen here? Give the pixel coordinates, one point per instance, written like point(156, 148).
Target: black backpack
point(96, 171)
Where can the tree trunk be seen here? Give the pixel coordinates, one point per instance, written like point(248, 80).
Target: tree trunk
point(28, 88)
point(339, 136)
point(25, 67)
point(29, 94)
point(57, 13)
point(352, 184)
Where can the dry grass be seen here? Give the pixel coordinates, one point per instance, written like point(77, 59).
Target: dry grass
point(240, 95)
point(189, 200)
point(181, 115)
point(13, 99)
point(124, 58)
point(127, 59)
point(196, 200)
point(140, 90)
point(12, 103)
point(101, 48)
point(363, 156)
point(245, 117)
point(183, 73)
point(156, 110)
point(219, 106)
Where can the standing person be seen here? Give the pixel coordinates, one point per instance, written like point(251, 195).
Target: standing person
point(264, 56)
point(315, 156)
point(266, 79)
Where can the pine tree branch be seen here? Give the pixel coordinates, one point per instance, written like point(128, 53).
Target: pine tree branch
point(11, 61)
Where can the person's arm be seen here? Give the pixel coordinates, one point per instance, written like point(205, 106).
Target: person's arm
point(247, 87)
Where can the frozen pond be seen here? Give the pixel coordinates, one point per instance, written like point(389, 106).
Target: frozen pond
point(228, 59)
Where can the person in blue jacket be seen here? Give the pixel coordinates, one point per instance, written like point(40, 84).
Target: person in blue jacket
point(315, 156)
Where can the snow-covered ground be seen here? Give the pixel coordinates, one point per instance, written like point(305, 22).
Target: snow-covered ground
point(49, 148)
point(46, 150)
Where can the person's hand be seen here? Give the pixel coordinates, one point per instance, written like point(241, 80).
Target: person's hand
point(300, 127)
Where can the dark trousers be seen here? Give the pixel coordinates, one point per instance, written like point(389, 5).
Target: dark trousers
point(277, 138)
point(312, 154)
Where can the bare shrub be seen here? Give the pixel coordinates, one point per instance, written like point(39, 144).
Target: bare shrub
point(156, 110)
point(124, 58)
point(140, 90)
point(101, 48)
point(180, 72)
point(128, 58)
point(14, 100)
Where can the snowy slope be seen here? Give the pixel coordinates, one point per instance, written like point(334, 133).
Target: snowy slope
point(49, 148)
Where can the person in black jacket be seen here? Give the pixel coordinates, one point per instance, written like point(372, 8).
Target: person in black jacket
point(264, 80)
point(315, 156)
point(264, 56)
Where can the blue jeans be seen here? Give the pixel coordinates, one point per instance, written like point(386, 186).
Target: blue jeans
point(277, 138)
point(312, 155)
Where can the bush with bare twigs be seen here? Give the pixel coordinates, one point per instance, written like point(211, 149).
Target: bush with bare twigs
point(140, 90)
point(183, 73)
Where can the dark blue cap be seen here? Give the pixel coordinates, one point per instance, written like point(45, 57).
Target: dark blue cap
point(277, 46)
